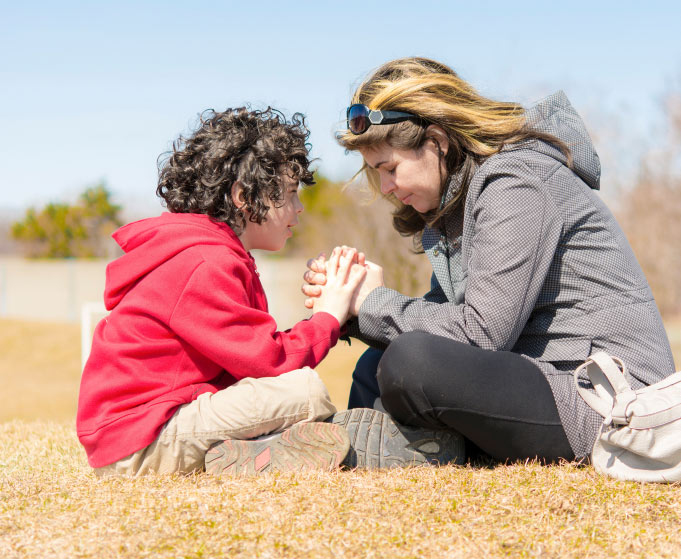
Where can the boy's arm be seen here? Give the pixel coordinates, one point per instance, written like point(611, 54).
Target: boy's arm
point(214, 315)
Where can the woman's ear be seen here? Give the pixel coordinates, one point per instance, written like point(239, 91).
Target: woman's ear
point(439, 136)
point(238, 197)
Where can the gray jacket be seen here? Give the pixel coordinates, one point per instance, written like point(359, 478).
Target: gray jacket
point(536, 264)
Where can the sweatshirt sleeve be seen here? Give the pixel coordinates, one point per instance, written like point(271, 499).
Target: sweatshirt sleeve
point(516, 232)
point(214, 315)
point(435, 295)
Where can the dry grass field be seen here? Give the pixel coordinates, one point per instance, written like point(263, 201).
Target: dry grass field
point(40, 370)
point(51, 505)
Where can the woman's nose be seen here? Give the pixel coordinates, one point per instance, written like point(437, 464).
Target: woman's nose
point(387, 185)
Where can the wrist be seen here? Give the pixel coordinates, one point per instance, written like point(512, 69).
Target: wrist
point(340, 319)
point(328, 323)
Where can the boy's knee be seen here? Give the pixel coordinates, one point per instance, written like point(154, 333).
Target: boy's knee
point(313, 392)
point(318, 390)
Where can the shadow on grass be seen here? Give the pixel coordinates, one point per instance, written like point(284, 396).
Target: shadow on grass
point(480, 460)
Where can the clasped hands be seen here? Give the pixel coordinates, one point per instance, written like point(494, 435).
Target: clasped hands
point(341, 283)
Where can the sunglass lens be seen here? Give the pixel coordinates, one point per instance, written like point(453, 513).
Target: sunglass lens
point(358, 119)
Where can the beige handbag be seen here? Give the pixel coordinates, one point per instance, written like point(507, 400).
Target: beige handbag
point(640, 438)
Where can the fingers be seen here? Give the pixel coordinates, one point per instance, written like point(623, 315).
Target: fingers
point(332, 269)
point(357, 274)
point(347, 249)
point(314, 278)
point(317, 264)
point(309, 303)
point(344, 265)
point(311, 290)
point(338, 266)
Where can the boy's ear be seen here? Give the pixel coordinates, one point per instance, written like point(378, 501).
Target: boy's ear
point(238, 197)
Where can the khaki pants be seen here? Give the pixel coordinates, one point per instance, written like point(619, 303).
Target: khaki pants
point(250, 408)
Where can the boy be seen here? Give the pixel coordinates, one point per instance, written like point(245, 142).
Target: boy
point(189, 357)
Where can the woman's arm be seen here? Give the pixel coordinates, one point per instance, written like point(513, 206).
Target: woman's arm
point(516, 232)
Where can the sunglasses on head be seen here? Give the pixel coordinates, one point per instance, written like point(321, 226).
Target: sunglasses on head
point(360, 118)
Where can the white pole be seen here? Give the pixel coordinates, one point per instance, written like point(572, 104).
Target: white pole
point(3, 289)
point(86, 315)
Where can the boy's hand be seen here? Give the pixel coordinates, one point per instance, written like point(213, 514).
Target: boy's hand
point(343, 276)
point(315, 276)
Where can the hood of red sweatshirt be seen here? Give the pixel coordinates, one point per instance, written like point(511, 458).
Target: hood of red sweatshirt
point(148, 243)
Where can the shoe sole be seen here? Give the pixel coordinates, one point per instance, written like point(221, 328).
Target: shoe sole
point(377, 441)
point(305, 446)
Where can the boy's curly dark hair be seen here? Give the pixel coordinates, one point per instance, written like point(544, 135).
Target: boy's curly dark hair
point(253, 148)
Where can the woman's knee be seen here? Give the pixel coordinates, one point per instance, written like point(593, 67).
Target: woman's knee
point(401, 361)
point(400, 377)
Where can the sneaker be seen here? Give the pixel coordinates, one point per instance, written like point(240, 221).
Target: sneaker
point(305, 446)
point(376, 441)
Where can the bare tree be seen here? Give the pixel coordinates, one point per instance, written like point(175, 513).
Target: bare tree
point(650, 213)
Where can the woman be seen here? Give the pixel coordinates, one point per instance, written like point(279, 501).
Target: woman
point(531, 273)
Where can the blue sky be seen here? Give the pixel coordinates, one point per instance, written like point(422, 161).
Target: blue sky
point(97, 90)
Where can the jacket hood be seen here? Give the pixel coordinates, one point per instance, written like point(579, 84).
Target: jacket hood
point(556, 116)
point(150, 242)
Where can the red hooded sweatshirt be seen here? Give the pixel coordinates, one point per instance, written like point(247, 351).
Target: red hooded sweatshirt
point(188, 316)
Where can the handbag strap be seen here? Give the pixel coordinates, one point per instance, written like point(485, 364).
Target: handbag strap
point(656, 419)
point(612, 393)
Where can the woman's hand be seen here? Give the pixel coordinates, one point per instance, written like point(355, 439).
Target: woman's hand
point(372, 280)
point(343, 277)
point(314, 277)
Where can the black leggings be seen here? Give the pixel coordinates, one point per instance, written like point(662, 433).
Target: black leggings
point(498, 400)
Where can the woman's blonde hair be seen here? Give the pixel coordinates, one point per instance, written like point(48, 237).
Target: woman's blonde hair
point(476, 127)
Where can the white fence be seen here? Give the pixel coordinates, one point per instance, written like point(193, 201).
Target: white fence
point(57, 290)
point(50, 290)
